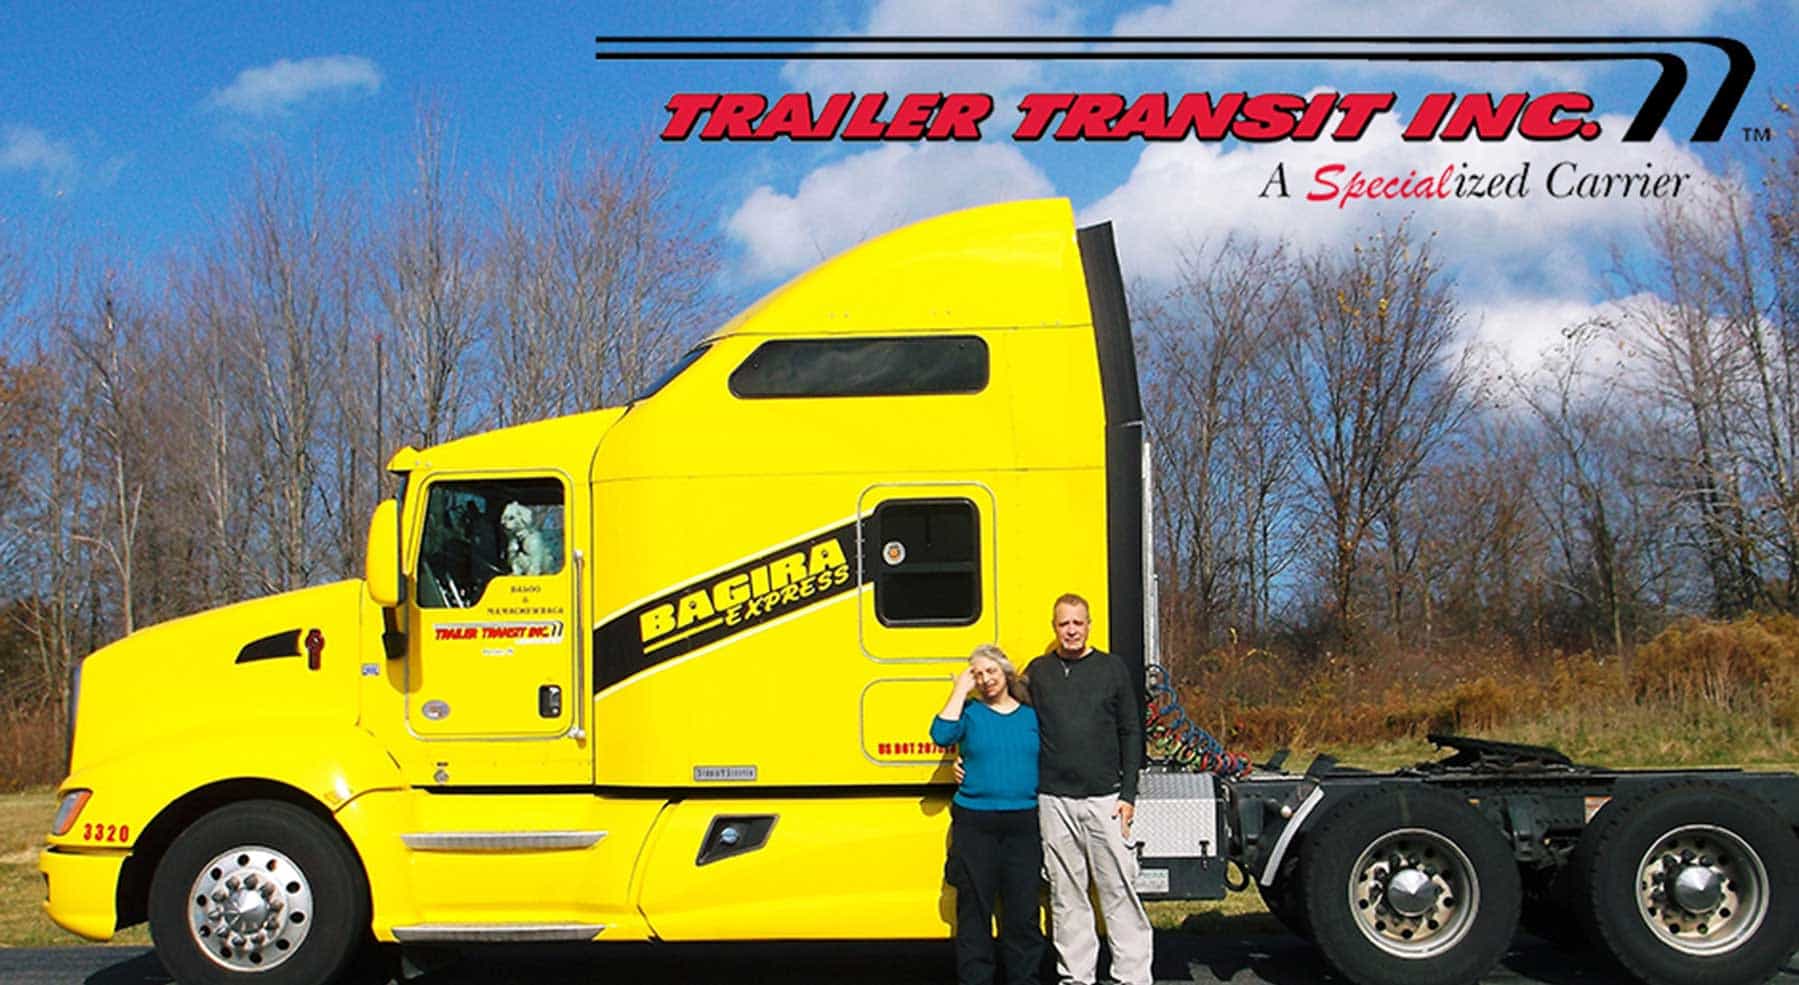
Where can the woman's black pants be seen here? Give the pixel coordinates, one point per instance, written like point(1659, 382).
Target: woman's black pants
point(996, 857)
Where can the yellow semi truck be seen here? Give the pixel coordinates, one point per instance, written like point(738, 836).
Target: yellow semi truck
point(656, 671)
point(665, 672)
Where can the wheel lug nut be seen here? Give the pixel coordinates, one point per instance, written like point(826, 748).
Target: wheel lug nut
point(276, 905)
point(252, 880)
point(233, 883)
point(218, 895)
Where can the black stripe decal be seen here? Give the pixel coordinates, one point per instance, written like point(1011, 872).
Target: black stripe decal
point(283, 644)
point(785, 580)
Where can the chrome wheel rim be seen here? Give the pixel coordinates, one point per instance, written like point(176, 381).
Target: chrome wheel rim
point(1413, 893)
point(249, 908)
point(1702, 890)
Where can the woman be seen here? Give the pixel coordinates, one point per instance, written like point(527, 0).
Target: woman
point(994, 853)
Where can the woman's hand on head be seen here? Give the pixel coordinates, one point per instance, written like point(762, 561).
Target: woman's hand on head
point(965, 682)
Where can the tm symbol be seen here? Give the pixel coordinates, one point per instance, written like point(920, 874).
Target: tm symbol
point(1758, 135)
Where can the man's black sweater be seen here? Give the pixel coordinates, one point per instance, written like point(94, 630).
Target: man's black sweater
point(1092, 729)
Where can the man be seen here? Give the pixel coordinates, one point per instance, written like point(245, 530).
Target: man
point(1092, 747)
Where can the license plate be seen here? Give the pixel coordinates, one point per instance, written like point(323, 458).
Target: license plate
point(1152, 881)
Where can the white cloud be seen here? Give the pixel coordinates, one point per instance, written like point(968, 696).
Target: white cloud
point(32, 151)
point(847, 201)
point(273, 89)
point(1005, 18)
point(1520, 333)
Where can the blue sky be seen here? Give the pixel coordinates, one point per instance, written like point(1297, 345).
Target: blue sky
point(124, 130)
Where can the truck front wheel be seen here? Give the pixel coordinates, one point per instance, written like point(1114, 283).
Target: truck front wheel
point(1409, 887)
point(1691, 884)
point(260, 891)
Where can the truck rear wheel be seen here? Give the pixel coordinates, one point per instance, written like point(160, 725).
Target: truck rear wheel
point(1409, 887)
point(260, 892)
point(1284, 898)
point(1691, 884)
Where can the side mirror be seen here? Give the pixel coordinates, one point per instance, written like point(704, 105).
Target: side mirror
point(381, 569)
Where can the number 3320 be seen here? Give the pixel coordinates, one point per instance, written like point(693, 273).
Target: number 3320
point(106, 832)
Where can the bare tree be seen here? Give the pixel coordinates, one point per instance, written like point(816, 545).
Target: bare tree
point(275, 260)
point(109, 337)
point(1695, 382)
point(1578, 408)
point(432, 286)
point(1375, 382)
point(1480, 571)
point(14, 276)
point(1223, 472)
point(218, 449)
point(603, 279)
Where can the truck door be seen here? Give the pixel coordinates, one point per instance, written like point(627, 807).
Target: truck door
point(929, 597)
point(493, 668)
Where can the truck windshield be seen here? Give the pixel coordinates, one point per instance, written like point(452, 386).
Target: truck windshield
point(677, 369)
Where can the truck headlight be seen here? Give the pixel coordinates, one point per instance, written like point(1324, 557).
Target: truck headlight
point(68, 811)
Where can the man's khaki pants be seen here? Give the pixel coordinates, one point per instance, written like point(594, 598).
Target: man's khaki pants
point(1082, 846)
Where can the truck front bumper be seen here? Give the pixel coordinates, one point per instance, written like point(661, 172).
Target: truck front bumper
point(82, 890)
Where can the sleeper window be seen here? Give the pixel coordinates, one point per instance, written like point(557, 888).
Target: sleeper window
point(924, 562)
point(853, 367)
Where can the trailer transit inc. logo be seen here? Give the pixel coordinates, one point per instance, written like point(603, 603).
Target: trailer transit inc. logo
point(1448, 116)
point(1443, 117)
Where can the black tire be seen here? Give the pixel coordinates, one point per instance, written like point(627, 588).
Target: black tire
point(1753, 860)
point(274, 876)
point(1452, 869)
point(1284, 899)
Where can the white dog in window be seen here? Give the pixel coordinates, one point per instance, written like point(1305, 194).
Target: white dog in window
point(526, 552)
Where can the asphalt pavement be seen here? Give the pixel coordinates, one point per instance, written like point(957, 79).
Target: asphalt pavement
point(1180, 958)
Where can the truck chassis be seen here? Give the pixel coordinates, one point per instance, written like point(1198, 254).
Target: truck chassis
point(1421, 875)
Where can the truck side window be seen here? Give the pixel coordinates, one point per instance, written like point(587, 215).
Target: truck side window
point(863, 367)
point(924, 560)
point(479, 530)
